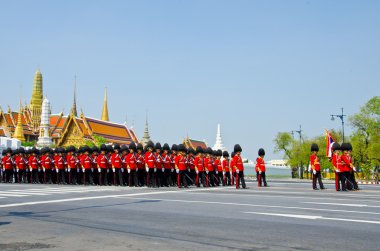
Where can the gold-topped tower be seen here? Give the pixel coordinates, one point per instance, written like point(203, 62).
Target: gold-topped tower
point(105, 108)
point(36, 101)
point(19, 130)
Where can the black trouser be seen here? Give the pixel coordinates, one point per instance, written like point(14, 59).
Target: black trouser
point(21, 176)
point(151, 178)
point(173, 174)
point(141, 173)
point(318, 177)
point(192, 175)
point(103, 175)
point(240, 178)
point(200, 179)
point(342, 180)
point(34, 176)
point(160, 177)
point(88, 176)
point(221, 178)
point(119, 176)
point(47, 176)
point(211, 178)
point(133, 181)
point(261, 179)
point(227, 179)
point(181, 177)
point(351, 182)
point(72, 173)
point(8, 174)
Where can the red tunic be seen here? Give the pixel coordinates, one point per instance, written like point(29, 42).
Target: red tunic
point(314, 162)
point(208, 164)
point(21, 163)
point(232, 165)
point(166, 161)
point(47, 162)
point(33, 162)
point(102, 161)
point(116, 161)
point(150, 160)
point(86, 162)
point(346, 163)
point(198, 162)
point(159, 160)
point(238, 163)
point(59, 162)
point(180, 162)
point(131, 161)
point(8, 162)
point(140, 161)
point(218, 165)
point(71, 161)
point(260, 165)
point(190, 163)
point(225, 164)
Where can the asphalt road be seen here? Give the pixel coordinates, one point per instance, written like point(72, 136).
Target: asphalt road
point(284, 216)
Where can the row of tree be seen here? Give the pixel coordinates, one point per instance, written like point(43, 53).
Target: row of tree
point(365, 140)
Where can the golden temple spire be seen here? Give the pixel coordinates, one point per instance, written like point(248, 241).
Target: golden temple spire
point(74, 108)
point(19, 131)
point(36, 101)
point(105, 108)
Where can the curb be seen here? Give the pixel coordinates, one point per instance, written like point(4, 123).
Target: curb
point(367, 183)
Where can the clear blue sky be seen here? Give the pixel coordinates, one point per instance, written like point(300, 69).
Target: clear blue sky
point(256, 67)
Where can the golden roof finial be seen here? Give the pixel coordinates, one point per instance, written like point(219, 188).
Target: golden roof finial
point(105, 108)
point(19, 131)
point(74, 108)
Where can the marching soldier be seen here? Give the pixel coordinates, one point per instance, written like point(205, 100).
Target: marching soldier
point(141, 172)
point(239, 167)
point(173, 156)
point(160, 173)
point(87, 164)
point(315, 167)
point(233, 169)
point(71, 165)
point(15, 170)
point(191, 166)
point(8, 163)
point(34, 166)
point(180, 163)
point(60, 166)
point(209, 167)
point(226, 169)
point(124, 167)
point(219, 167)
point(21, 166)
point(199, 167)
point(132, 165)
point(117, 165)
point(260, 168)
point(94, 168)
point(47, 165)
point(103, 166)
point(150, 166)
point(167, 165)
point(336, 161)
point(348, 167)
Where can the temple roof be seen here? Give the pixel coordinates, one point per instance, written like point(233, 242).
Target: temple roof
point(193, 143)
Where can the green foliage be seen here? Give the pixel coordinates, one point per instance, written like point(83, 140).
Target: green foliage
point(28, 144)
point(98, 140)
point(366, 136)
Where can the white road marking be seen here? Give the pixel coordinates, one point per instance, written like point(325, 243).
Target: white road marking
point(338, 204)
point(314, 217)
point(12, 195)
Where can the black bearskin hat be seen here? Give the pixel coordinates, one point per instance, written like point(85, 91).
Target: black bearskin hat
point(225, 154)
point(261, 152)
point(133, 146)
point(166, 147)
point(199, 150)
point(335, 146)
point(237, 148)
point(314, 147)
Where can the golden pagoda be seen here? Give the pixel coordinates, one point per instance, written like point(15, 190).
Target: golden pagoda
point(105, 108)
point(19, 131)
point(36, 101)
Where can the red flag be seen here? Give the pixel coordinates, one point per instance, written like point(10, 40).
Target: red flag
point(329, 143)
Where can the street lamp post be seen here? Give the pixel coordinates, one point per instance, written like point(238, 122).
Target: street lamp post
point(300, 137)
point(341, 116)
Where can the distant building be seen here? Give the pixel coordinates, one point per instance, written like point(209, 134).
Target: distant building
point(219, 142)
point(63, 130)
point(278, 162)
point(146, 137)
point(192, 143)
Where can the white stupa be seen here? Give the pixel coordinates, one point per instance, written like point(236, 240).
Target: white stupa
point(44, 139)
point(219, 143)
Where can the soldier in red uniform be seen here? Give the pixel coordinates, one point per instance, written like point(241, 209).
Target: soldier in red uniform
point(87, 164)
point(34, 166)
point(316, 167)
point(233, 169)
point(47, 165)
point(8, 163)
point(219, 167)
point(21, 166)
point(199, 168)
point(348, 167)
point(116, 166)
point(132, 165)
point(167, 180)
point(180, 164)
point(160, 170)
point(150, 165)
point(336, 162)
point(15, 171)
point(71, 165)
point(173, 156)
point(239, 167)
point(260, 168)
point(94, 169)
point(124, 167)
point(103, 165)
point(59, 162)
point(226, 169)
point(209, 167)
point(140, 160)
point(191, 166)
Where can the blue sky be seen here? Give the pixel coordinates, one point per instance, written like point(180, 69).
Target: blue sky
point(256, 67)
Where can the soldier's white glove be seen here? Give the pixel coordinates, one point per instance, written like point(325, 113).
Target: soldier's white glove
point(57, 170)
point(260, 172)
point(3, 169)
point(108, 170)
point(129, 170)
point(207, 172)
point(172, 169)
point(17, 170)
point(30, 169)
point(177, 170)
point(113, 169)
point(188, 169)
point(83, 170)
point(337, 170)
point(197, 172)
point(163, 169)
point(122, 169)
point(78, 170)
point(146, 169)
point(237, 170)
point(155, 169)
point(39, 169)
point(354, 169)
point(314, 172)
point(69, 169)
point(99, 170)
point(216, 172)
point(224, 173)
point(92, 169)
point(43, 169)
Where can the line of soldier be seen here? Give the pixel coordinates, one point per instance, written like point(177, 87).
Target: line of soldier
point(342, 163)
point(132, 165)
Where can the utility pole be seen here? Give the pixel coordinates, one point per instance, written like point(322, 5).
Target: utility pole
point(300, 138)
point(341, 116)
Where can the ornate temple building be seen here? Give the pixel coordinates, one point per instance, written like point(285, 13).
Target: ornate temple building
point(219, 142)
point(192, 143)
point(64, 130)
